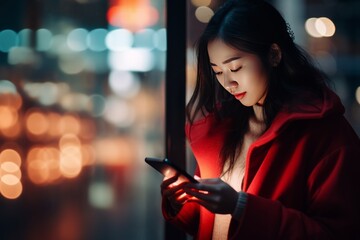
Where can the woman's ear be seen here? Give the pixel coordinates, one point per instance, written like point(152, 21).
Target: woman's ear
point(274, 55)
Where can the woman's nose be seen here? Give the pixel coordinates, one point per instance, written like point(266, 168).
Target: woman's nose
point(229, 83)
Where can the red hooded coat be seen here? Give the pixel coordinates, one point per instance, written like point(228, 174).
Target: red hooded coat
point(302, 177)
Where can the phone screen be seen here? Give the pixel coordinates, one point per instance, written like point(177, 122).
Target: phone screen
point(169, 169)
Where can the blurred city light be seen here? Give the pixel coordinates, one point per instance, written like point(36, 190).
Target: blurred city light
point(25, 37)
point(101, 195)
point(144, 38)
point(82, 102)
point(36, 123)
point(124, 83)
point(204, 14)
point(160, 39)
point(96, 39)
point(96, 105)
point(199, 3)
point(76, 39)
point(116, 151)
point(8, 39)
point(43, 165)
point(320, 27)
point(10, 173)
point(357, 95)
point(22, 55)
point(119, 39)
point(118, 112)
point(134, 59)
point(44, 39)
point(132, 15)
point(7, 87)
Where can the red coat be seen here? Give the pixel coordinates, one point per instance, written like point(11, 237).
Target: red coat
point(302, 177)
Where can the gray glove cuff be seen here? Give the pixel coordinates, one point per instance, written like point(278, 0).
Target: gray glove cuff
point(240, 206)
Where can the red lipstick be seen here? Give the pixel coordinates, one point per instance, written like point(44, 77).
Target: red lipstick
point(239, 96)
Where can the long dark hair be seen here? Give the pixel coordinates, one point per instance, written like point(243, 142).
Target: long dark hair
point(251, 26)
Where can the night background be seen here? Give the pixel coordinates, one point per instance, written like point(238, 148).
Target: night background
point(82, 103)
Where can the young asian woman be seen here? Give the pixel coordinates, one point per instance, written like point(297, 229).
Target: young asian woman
point(276, 158)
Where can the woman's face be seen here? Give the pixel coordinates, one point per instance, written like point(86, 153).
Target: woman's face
point(240, 73)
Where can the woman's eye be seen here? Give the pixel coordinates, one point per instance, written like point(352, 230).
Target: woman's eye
point(235, 70)
point(217, 73)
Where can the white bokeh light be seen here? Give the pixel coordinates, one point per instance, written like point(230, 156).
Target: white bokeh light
point(118, 112)
point(134, 59)
point(125, 84)
point(76, 39)
point(119, 39)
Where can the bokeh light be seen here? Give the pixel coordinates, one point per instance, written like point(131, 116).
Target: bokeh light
point(134, 59)
point(115, 151)
point(119, 39)
point(124, 84)
point(43, 165)
point(44, 39)
point(7, 87)
point(357, 95)
point(10, 173)
point(160, 39)
point(101, 195)
point(8, 40)
point(133, 15)
point(320, 27)
point(118, 112)
point(36, 123)
point(96, 39)
point(76, 39)
point(204, 14)
point(9, 117)
point(144, 38)
point(199, 3)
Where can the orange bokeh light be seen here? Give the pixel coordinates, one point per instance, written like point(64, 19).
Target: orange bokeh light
point(69, 140)
point(13, 131)
point(43, 165)
point(88, 154)
point(10, 155)
point(9, 116)
point(54, 129)
point(11, 191)
point(69, 124)
point(70, 161)
point(37, 123)
point(13, 100)
point(115, 151)
point(133, 15)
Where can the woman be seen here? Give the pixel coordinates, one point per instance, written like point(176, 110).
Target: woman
point(276, 158)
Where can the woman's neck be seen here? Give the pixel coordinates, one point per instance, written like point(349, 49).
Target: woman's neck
point(258, 113)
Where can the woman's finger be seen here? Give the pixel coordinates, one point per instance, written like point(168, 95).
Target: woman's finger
point(203, 186)
point(167, 181)
point(203, 195)
point(171, 190)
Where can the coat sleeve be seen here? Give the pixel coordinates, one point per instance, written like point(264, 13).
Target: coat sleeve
point(187, 219)
point(332, 210)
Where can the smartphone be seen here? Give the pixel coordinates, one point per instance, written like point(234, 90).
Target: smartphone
point(169, 169)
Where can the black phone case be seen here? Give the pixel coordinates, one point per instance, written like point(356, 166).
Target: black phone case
point(168, 169)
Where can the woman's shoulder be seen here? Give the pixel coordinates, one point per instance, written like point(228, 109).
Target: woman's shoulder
point(205, 124)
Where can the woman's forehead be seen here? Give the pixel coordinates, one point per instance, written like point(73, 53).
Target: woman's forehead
point(220, 52)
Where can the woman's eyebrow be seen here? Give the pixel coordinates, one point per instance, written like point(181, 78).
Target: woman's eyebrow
point(227, 60)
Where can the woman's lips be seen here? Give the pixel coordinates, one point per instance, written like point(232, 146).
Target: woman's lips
point(239, 96)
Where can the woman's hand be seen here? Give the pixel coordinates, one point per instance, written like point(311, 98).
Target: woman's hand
point(214, 194)
point(173, 192)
